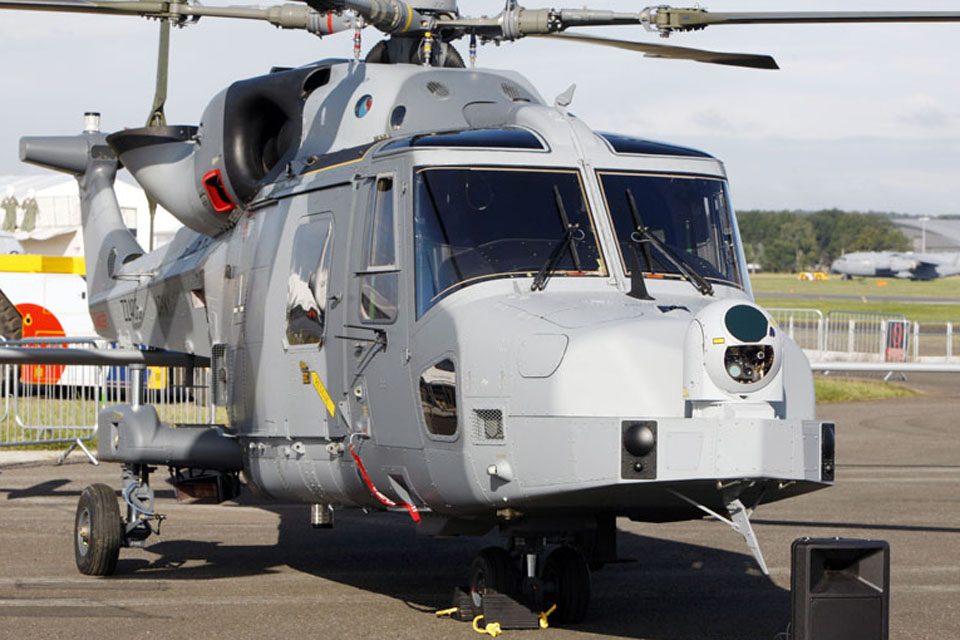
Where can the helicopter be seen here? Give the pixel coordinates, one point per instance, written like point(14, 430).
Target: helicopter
point(423, 288)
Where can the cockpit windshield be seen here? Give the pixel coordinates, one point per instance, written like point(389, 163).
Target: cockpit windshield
point(473, 224)
point(690, 214)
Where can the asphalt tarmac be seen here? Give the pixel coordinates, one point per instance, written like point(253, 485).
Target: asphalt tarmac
point(249, 569)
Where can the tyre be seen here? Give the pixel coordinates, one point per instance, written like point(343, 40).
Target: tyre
point(11, 328)
point(98, 533)
point(567, 580)
point(11, 323)
point(492, 570)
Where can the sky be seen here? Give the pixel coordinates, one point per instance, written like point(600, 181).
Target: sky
point(860, 117)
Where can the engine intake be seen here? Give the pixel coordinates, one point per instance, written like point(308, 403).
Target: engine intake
point(263, 124)
point(249, 133)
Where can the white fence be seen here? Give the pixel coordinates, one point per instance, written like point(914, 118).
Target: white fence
point(855, 336)
point(803, 326)
point(58, 404)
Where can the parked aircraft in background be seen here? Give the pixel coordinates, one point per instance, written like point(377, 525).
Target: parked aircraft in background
point(892, 264)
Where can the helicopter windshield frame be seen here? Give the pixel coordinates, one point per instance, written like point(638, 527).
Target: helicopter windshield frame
point(690, 213)
point(478, 223)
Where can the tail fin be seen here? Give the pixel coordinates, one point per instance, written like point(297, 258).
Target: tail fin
point(107, 241)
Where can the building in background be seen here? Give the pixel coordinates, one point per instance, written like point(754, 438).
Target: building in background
point(931, 233)
point(48, 214)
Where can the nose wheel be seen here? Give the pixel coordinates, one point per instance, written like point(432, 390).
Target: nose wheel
point(98, 531)
point(538, 579)
point(566, 581)
point(493, 570)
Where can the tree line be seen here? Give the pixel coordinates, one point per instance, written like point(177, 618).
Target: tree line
point(800, 240)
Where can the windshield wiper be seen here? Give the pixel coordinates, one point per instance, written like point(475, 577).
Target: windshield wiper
point(638, 287)
point(568, 241)
point(642, 234)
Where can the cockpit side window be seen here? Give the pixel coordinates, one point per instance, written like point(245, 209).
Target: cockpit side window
point(379, 249)
point(309, 280)
point(379, 282)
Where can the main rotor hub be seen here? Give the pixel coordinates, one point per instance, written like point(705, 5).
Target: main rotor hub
point(439, 6)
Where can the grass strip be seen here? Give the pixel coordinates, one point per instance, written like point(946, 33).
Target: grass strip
point(830, 389)
point(770, 284)
point(915, 312)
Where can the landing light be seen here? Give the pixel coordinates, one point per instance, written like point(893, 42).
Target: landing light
point(639, 439)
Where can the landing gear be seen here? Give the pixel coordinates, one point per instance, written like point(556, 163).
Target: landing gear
point(138, 494)
point(537, 578)
point(493, 570)
point(566, 579)
point(99, 530)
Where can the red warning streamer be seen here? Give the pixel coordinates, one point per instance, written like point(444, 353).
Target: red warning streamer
point(414, 514)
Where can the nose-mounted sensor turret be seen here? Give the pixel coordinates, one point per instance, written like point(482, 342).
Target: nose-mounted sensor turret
point(733, 351)
point(748, 363)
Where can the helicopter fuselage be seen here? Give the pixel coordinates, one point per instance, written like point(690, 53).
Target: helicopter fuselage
point(433, 291)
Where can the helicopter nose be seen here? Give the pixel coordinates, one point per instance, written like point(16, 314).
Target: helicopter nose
point(837, 265)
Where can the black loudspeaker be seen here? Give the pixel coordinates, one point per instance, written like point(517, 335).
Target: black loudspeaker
point(840, 589)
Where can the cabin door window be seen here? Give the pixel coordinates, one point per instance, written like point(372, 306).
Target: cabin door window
point(379, 277)
point(309, 282)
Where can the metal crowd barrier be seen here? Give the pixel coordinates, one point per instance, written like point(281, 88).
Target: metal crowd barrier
point(51, 404)
point(803, 326)
point(855, 336)
point(861, 335)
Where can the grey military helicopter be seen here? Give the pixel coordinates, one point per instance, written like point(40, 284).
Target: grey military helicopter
point(422, 288)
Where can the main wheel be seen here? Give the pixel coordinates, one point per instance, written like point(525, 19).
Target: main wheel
point(492, 570)
point(11, 328)
point(11, 323)
point(567, 580)
point(98, 533)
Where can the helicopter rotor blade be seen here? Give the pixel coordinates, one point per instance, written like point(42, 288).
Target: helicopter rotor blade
point(157, 118)
point(516, 21)
point(145, 8)
point(750, 60)
point(666, 19)
point(285, 16)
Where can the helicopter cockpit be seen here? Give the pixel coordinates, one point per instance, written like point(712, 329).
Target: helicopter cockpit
point(475, 222)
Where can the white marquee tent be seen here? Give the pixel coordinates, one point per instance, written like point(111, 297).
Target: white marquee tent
point(57, 230)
